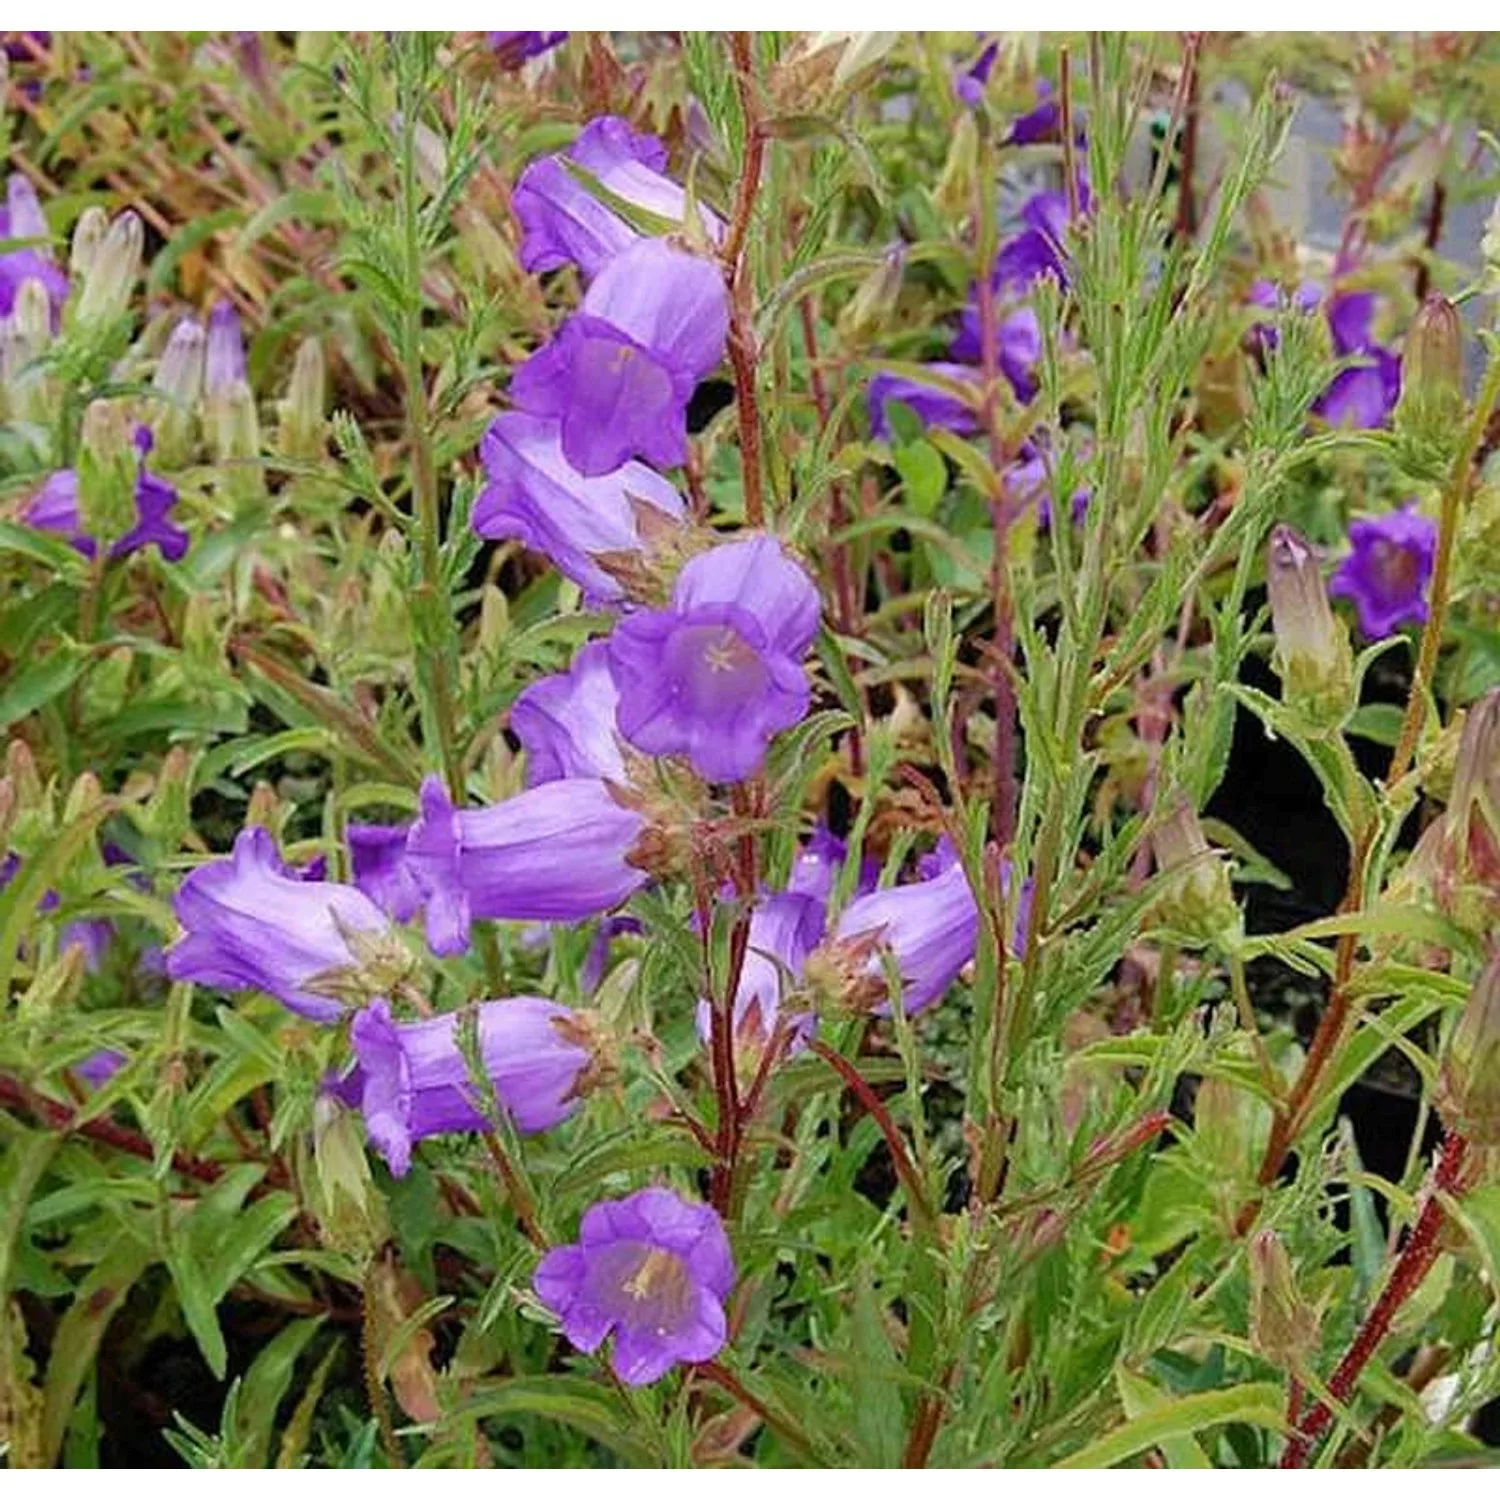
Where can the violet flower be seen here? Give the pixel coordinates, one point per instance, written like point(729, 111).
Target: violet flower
point(377, 860)
point(224, 359)
point(1365, 394)
point(21, 219)
point(719, 672)
point(1042, 123)
point(654, 1270)
point(1387, 573)
point(969, 82)
point(935, 406)
point(411, 1079)
point(562, 222)
point(246, 924)
point(816, 869)
point(538, 497)
point(99, 1067)
point(566, 722)
point(620, 372)
point(512, 49)
point(55, 507)
point(929, 927)
point(784, 929)
point(1029, 479)
point(556, 853)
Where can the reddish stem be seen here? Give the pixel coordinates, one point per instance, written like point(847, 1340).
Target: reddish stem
point(1417, 1258)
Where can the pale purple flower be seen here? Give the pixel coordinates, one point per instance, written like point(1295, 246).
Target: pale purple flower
point(1018, 344)
point(1038, 250)
point(935, 406)
point(21, 219)
point(816, 869)
point(1387, 572)
point(513, 48)
point(566, 722)
point(536, 496)
point(247, 925)
point(556, 853)
point(784, 929)
point(563, 222)
point(1364, 395)
point(224, 360)
point(654, 1270)
point(620, 372)
point(929, 927)
point(969, 82)
point(377, 860)
point(411, 1079)
point(1029, 480)
point(55, 507)
point(719, 672)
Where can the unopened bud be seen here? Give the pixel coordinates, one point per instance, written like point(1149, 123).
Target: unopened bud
point(1469, 1088)
point(57, 984)
point(234, 424)
point(21, 772)
point(83, 796)
point(224, 363)
point(111, 278)
point(24, 337)
point(168, 815)
point(179, 383)
point(1283, 1327)
point(954, 192)
point(27, 222)
point(1312, 647)
point(1196, 898)
point(264, 809)
point(1463, 849)
point(350, 1214)
point(88, 241)
point(108, 466)
point(1429, 414)
point(875, 297)
point(300, 432)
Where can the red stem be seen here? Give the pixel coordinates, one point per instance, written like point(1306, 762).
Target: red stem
point(1417, 1258)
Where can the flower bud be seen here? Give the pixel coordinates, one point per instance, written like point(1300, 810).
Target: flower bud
point(108, 466)
point(21, 772)
point(224, 361)
point(24, 338)
point(111, 278)
point(1461, 852)
point(1429, 414)
point(1312, 647)
point(954, 192)
point(234, 424)
point(1196, 898)
point(875, 297)
point(300, 432)
point(88, 241)
point(1283, 1327)
point(178, 381)
point(167, 816)
point(350, 1214)
point(1469, 1087)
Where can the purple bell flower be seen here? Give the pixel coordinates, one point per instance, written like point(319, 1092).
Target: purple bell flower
point(936, 407)
point(930, 928)
point(1038, 250)
point(784, 929)
point(1029, 479)
point(620, 372)
point(817, 867)
point(557, 853)
point(718, 673)
point(654, 1270)
point(1364, 395)
point(247, 925)
point(377, 860)
point(562, 222)
point(1018, 345)
point(1043, 123)
point(969, 82)
point(1387, 573)
point(224, 360)
point(566, 722)
point(21, 219)
point(54, 507)
point(411, 1079)
point(538, 497)
point(512, 49)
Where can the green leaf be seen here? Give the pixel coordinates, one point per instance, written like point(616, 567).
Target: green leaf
point(874, 1376)
point(41, 682)
point(265, 1387)
point(628, 1150)
point(573, 1400)
point(924, 475)
point(1140, 1398)
point(1259, 1404)
point(43, 548)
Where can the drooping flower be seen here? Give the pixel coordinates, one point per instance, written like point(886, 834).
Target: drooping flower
point(929, 928)
point(566, 723)
point(1312, 648)
point(411, 1079)
point(936, 406)
point(1038, 250)
point(246, 925)
point(654, 1270)
point(563, 222)
point(969, 82)
point(1387, 572)
point(1364, 395)
point(377, 860)
point(556, 853)
point(21, 219)
point(719, 672)
point(620, 372)
point(514, 48)
point(55, 507)
point(784, 929)
point(537, 496)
